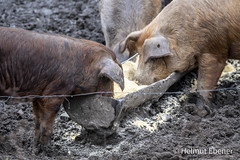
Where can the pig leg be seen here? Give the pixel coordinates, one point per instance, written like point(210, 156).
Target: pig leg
point(37, 125)
point(45, 110)
point(210, 68)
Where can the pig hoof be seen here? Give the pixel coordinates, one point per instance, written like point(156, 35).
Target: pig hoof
point(190, 108)
point(40, 148)
point(196, 105)
point(204, 111)
point(35, 151)
point(201, 111)
point(210, 111)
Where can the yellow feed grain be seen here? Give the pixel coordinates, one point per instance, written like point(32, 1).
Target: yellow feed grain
point(129, 69)
point(228, 68)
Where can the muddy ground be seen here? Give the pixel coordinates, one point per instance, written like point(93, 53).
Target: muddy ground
point(156, 130)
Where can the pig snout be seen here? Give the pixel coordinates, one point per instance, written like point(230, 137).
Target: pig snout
point(145, 79)
point(121, 57)
point(151, 71)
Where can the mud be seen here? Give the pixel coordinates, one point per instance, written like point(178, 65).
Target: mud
point(156, 130)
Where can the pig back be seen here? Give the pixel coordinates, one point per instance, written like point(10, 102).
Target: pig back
point(31, 61)
point(119, 18)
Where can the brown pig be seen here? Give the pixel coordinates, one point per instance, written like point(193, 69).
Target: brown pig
point(43, 64)
point(186, 34)
point(119, 18)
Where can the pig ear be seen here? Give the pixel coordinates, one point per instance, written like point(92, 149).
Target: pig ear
point(113, 71)
point(155, 47)
point(131, 37)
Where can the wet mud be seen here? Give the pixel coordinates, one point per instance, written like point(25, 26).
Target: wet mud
point(163, 130)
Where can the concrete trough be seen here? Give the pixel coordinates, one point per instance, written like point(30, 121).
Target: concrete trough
point(103, 114)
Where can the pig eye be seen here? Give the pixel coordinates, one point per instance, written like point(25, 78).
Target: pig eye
point(158, 46)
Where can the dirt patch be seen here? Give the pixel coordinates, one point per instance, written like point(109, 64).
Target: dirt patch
point(155, 130)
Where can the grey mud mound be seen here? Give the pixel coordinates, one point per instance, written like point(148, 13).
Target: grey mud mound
point(162, 130)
